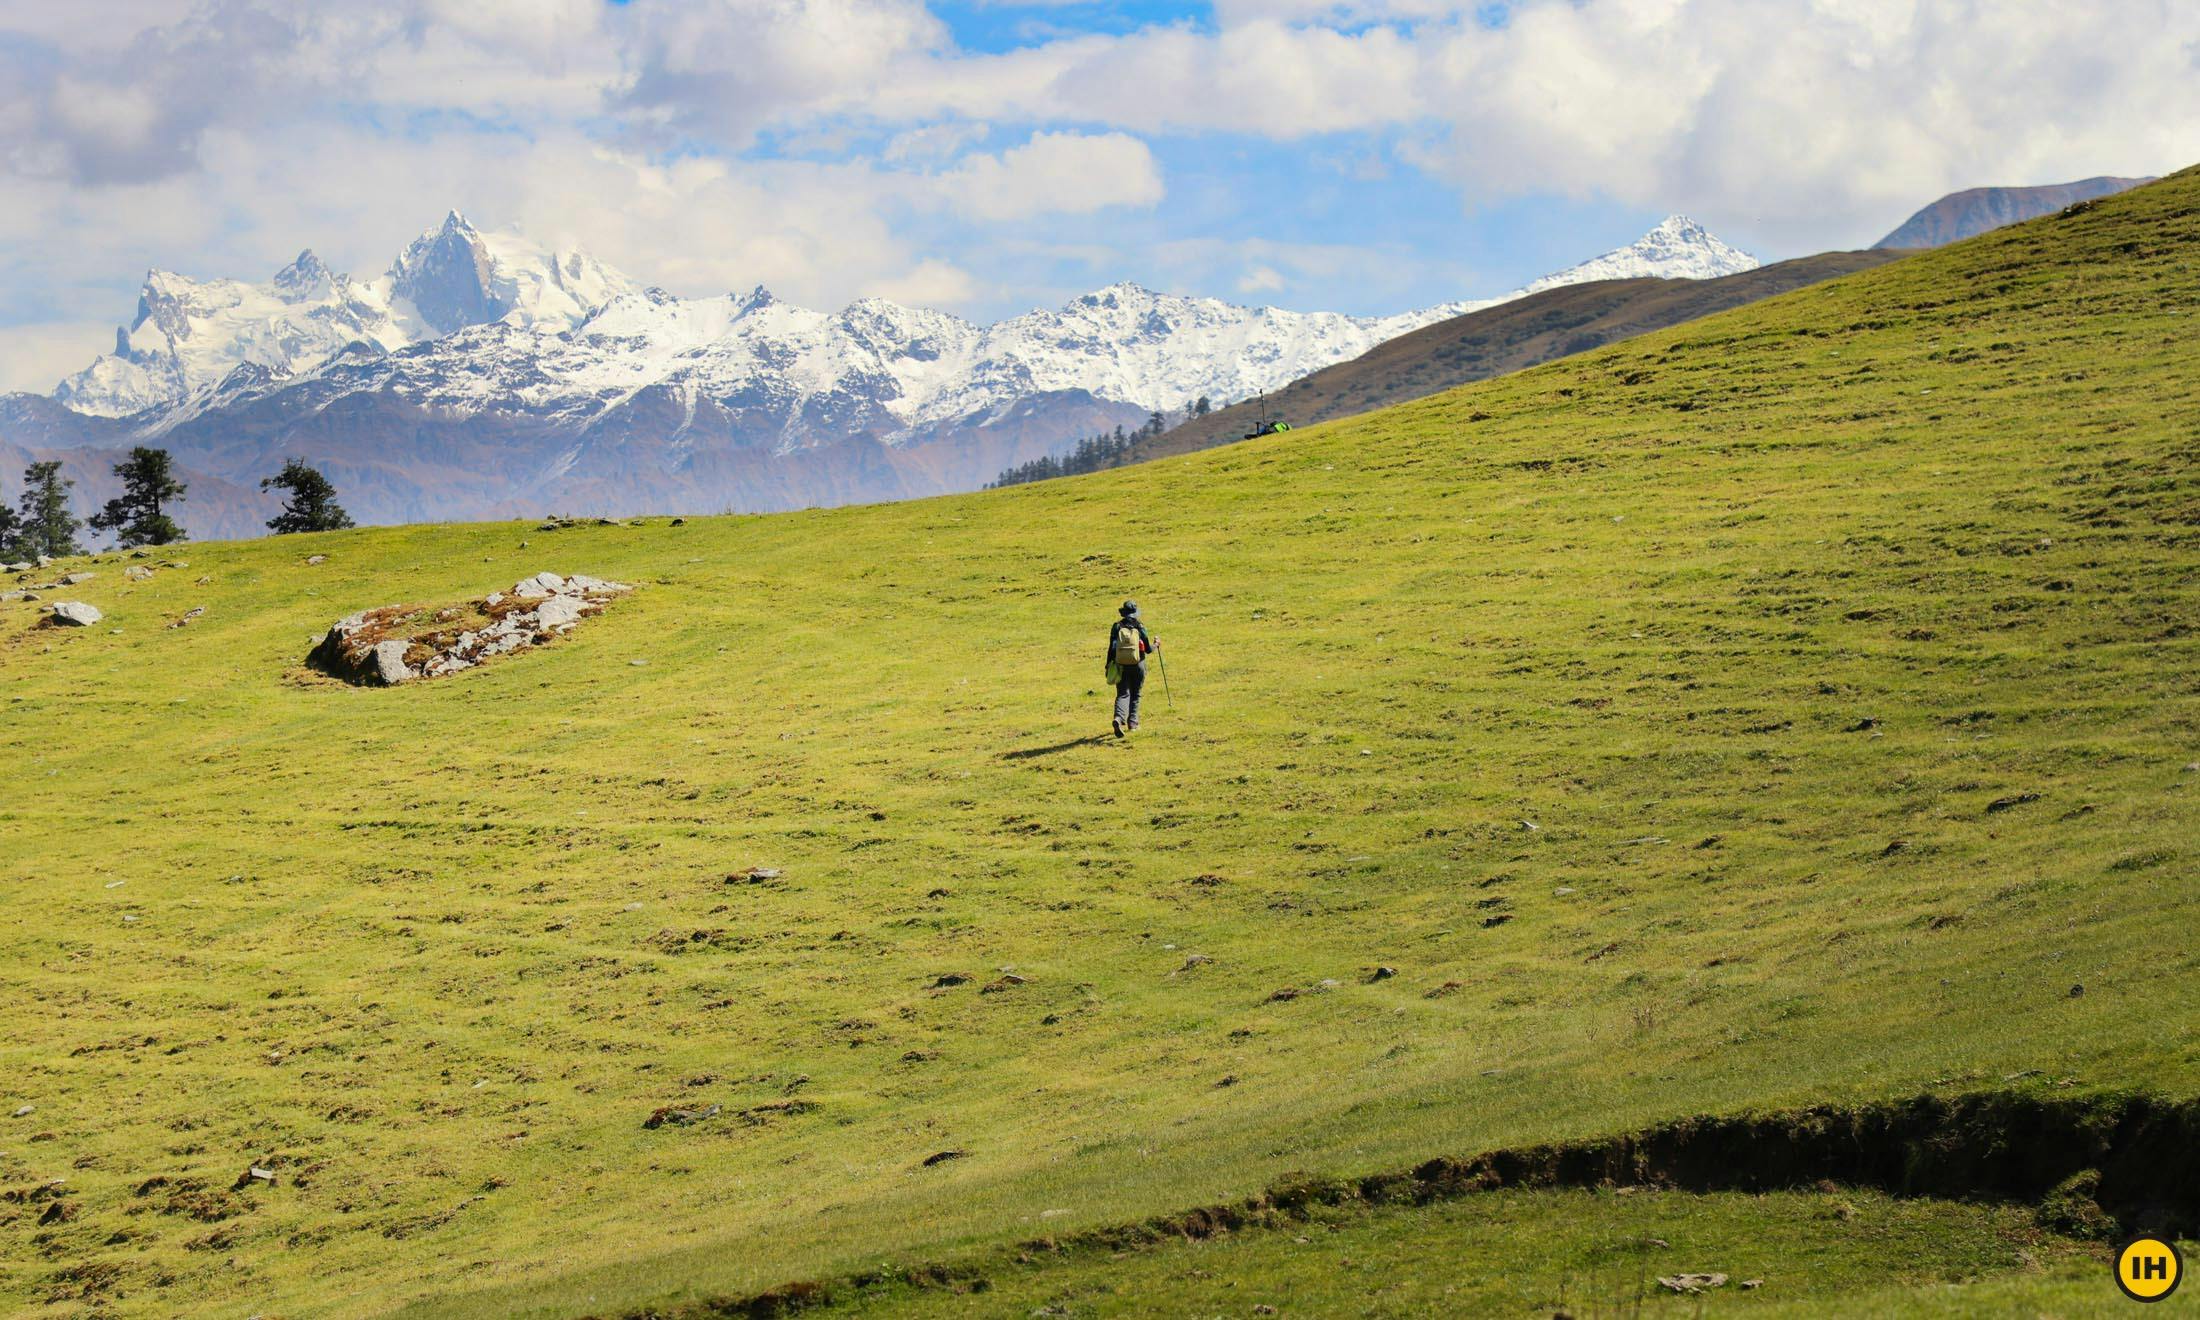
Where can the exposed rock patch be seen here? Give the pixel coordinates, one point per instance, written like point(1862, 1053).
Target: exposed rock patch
point(74, 614)
point(399, 643)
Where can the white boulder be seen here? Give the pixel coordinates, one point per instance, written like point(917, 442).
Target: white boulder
point(390, 668)
point(558, 613)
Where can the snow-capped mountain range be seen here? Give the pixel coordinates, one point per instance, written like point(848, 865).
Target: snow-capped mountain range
point(189, 334)
point(483, 374)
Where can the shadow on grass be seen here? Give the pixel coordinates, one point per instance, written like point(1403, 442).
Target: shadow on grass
point(1029, 752)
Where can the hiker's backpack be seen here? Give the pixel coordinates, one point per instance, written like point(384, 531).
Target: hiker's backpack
point(1126, 645)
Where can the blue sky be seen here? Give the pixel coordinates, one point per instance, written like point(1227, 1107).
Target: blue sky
point(1358, 155)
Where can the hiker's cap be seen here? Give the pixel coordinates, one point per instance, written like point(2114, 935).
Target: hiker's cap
point(1130, 607)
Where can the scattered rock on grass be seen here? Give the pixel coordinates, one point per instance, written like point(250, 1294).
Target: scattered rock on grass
point(396, 643)
point(137, 573)
point(1692, 1283)
point(941, 1157)
point(679, 1117)
point(2001, 804)
point(74, 614)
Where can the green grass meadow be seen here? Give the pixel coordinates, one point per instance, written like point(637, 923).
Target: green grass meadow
point(1588, 1255)
point(1798, 706)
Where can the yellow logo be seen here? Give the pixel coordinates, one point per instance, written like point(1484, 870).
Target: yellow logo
point(2149, 1269)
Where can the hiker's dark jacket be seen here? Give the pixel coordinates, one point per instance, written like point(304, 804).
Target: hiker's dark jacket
point(1145, 643)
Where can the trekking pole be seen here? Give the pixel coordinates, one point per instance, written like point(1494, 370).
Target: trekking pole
point(1160, 660)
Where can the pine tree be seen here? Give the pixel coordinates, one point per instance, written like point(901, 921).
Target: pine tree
point(1201, 406)
point(136, 515)
point(48, 528)
point(11, 535)
point(312, 505)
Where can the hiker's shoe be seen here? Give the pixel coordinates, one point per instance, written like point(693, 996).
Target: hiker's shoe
point(1118, 728)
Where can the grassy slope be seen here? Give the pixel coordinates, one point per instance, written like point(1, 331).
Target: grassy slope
point(1523, 333)
point(404, 945)
point(1578, 1253)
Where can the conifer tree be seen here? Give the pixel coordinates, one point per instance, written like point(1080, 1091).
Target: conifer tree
point(312, 505)
point(48, 527)
point(138, 515)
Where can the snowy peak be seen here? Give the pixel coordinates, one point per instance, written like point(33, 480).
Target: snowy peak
point(305, 279)
point(454, 276)
point(1678, 249)
point(190, 335)
point(445, 274)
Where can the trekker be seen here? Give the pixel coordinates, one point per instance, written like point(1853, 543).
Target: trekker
point(1128, 646)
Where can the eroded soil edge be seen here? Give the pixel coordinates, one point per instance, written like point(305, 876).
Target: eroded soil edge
point(2092, 1166)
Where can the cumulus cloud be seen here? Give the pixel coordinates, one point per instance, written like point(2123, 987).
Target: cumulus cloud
point(1817, 126)
point(725, 69)
point(136, 111)
point(933, 283)
point(1055, 173)
point(36, 354)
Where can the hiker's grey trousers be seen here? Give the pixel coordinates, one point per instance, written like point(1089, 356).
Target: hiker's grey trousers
point(1127, 687)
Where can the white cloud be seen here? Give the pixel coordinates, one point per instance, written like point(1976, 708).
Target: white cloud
point(930, 144)
point(1261, 279)
point(34, 356)
point(1055, 173)
point(724, 69)
point(933, 283)
point(1820, 124)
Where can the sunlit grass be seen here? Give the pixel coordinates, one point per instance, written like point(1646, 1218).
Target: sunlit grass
point(1646, 712)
